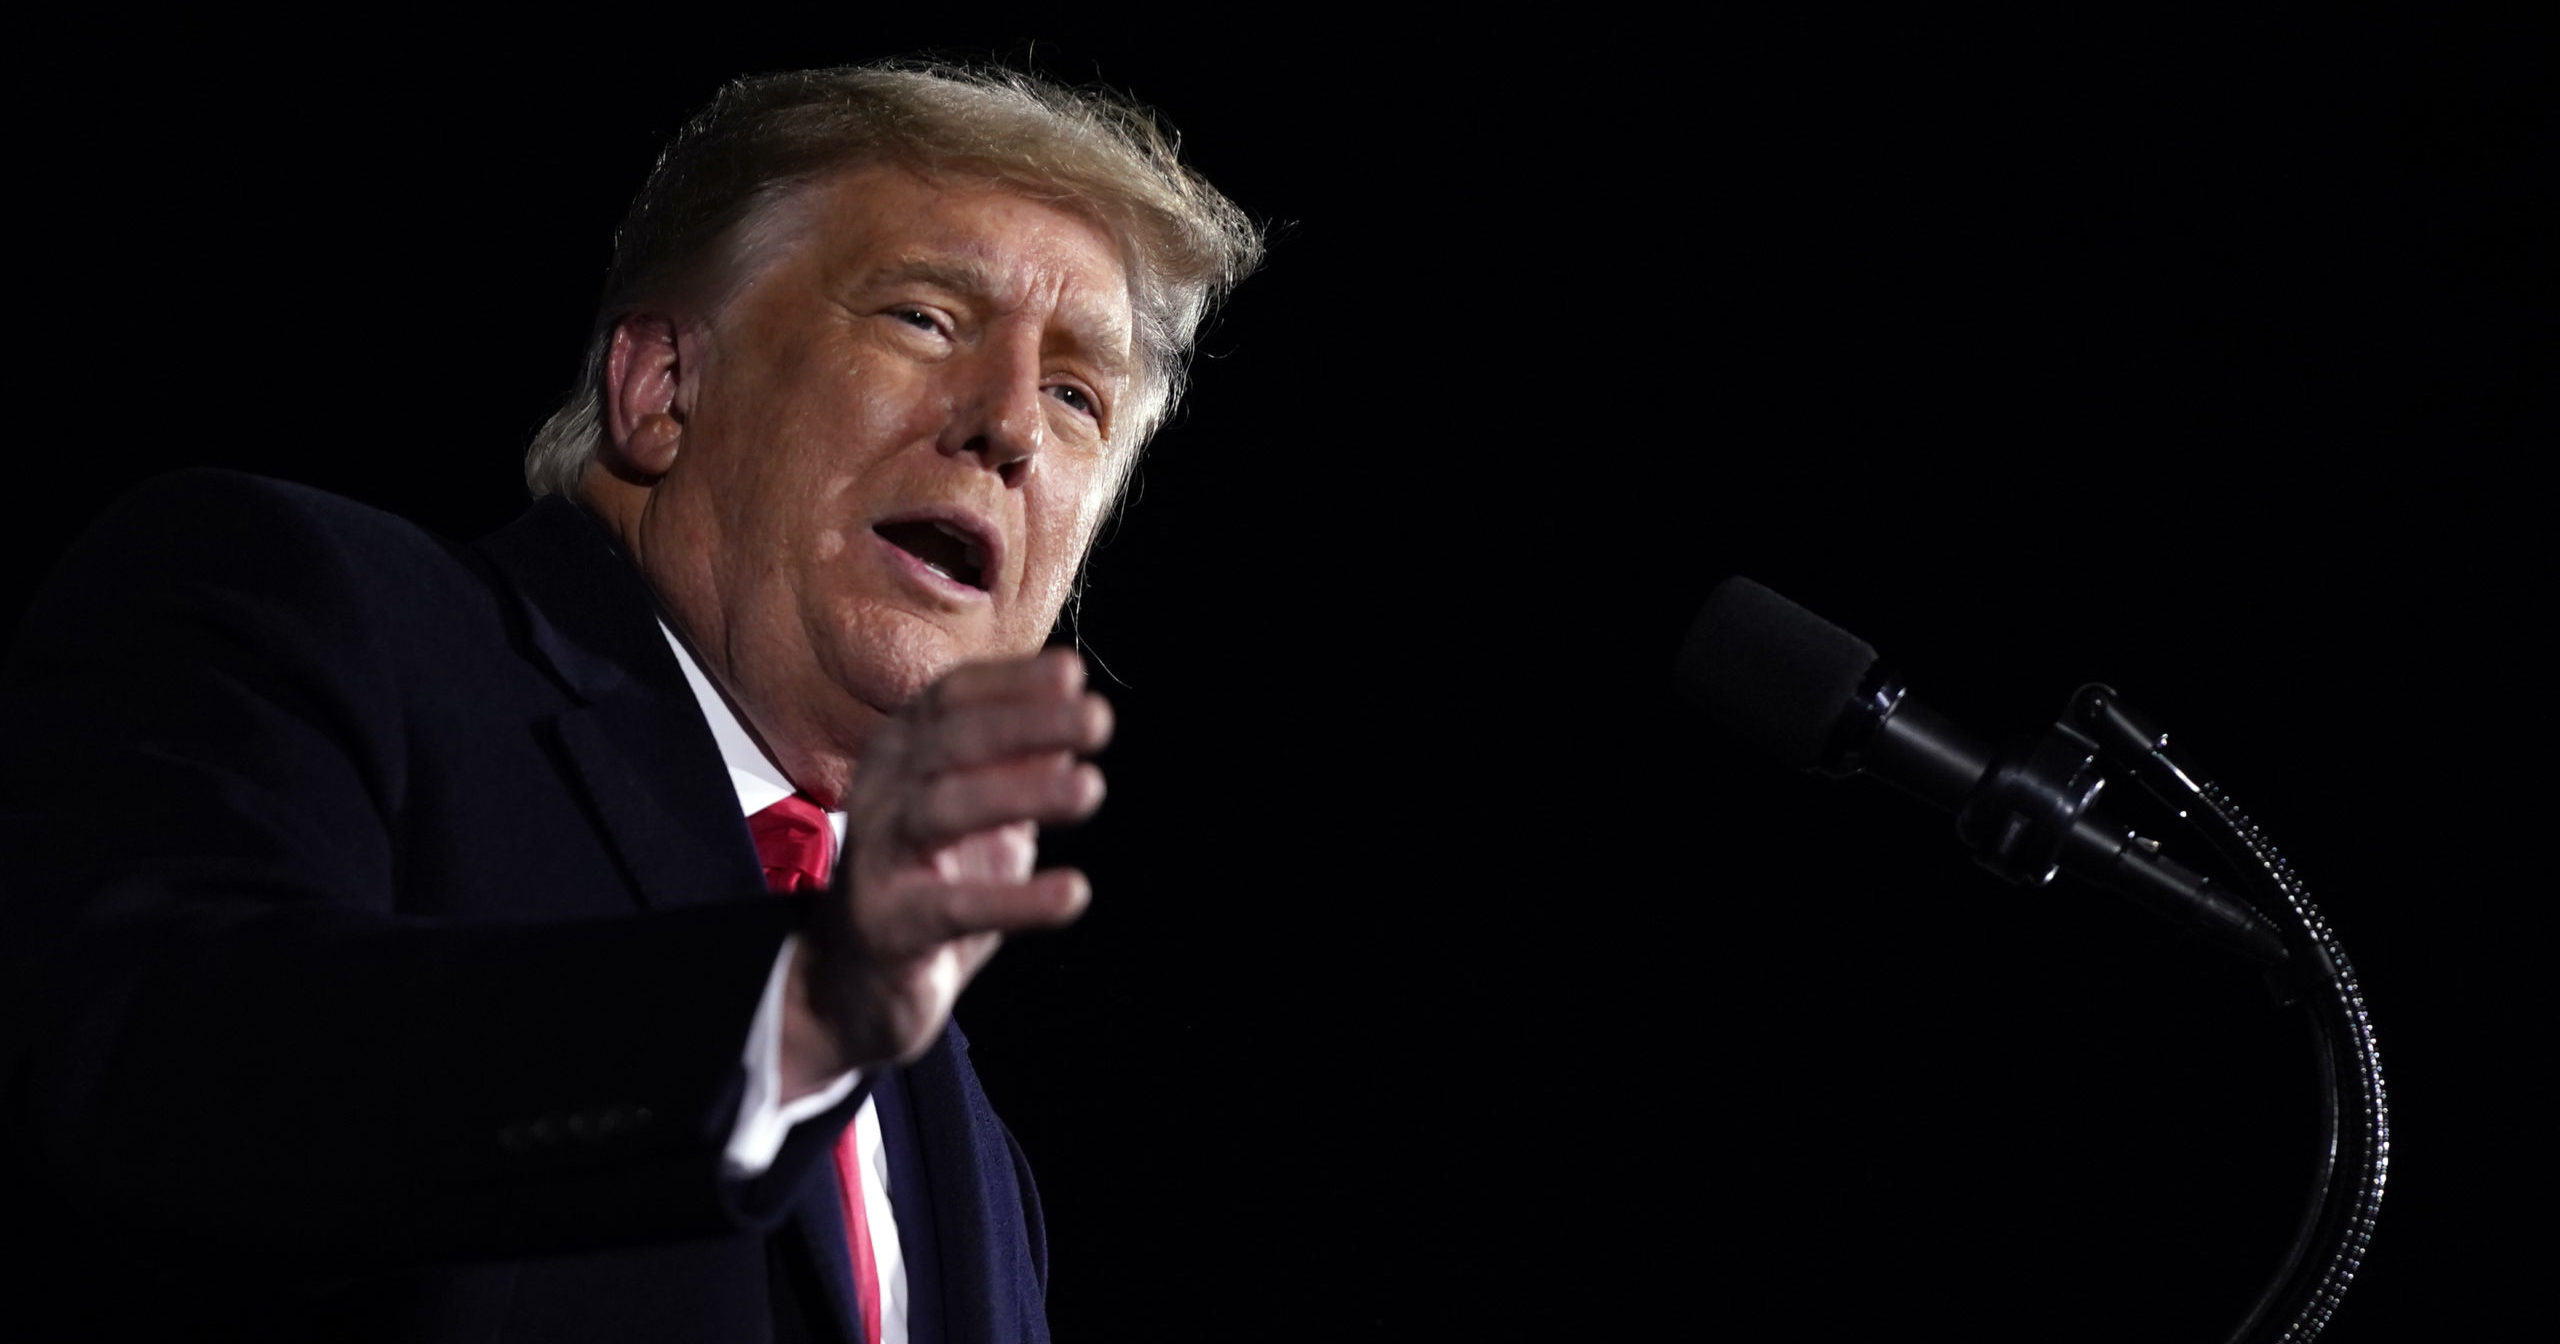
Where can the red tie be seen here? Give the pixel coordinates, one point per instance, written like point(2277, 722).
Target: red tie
point(795, 844)
point(797, 848)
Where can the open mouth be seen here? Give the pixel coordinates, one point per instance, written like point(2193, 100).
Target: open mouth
point(944, 549)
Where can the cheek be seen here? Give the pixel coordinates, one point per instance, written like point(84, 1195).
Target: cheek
point(820, 438)
point(1068, 527)
point(823, 404)
point(1088, 519)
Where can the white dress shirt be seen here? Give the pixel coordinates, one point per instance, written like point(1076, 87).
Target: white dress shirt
point(763, 1117)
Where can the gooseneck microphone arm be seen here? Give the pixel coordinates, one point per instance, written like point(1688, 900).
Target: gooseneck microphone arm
point(1818, 698)
point(2355, 1115)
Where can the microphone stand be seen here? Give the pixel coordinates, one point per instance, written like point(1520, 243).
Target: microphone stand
point(2024, 814)
point(2355, 1119)
point(1772, 671)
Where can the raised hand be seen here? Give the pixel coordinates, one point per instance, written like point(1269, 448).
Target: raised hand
point(942, 822)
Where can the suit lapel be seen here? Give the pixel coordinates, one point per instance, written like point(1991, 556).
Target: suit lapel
point(911, 1199)
point(817, 1222)
point(957, 1187)
point(635, 744)
point(633, 738)
point(984, 1211)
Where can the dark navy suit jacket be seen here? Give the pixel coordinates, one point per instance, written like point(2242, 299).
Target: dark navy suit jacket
point(380, 934)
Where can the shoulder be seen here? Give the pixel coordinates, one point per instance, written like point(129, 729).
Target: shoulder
point(244, 573)
point(231, 521)
point(203, 532)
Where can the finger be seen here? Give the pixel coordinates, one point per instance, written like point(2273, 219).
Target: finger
point(977, 734)
point(1056, 788)
point(921, 916)
point(973, 951)
point(1051, 674)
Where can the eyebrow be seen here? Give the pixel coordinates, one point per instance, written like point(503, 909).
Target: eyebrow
point(1110, 342)
point(968, 275)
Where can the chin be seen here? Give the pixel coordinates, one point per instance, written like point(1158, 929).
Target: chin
point(889, 656)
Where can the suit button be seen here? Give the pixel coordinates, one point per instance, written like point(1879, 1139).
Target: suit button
point(546, 1131)
point(515, 1139)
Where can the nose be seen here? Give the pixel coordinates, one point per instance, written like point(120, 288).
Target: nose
point(998, 415)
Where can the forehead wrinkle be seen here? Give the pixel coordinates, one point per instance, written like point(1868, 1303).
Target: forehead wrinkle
point(1099, 331)
point(967, 273)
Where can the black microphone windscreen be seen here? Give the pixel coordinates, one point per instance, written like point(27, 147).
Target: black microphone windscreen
point(1772, 672)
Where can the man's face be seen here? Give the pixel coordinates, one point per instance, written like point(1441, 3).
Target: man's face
point(895, 442)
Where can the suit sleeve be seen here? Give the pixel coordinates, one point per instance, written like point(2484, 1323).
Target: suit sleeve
point(218, 1022)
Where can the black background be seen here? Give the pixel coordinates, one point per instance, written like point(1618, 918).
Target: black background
point(1444, 975)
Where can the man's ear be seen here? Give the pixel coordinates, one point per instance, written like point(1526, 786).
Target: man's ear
point(645, 397)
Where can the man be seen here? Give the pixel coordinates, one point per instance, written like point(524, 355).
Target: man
point(389, 951)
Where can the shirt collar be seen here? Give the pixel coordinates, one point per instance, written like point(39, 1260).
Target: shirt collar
point(759, 782)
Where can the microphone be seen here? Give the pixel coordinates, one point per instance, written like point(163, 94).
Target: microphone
point(1819, 699)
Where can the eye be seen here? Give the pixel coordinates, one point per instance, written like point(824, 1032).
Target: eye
point(1076, 397)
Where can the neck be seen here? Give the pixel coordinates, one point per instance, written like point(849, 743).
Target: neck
point(823, 772)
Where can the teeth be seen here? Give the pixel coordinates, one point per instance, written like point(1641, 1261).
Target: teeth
point(977, 553)
point(948, 551)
